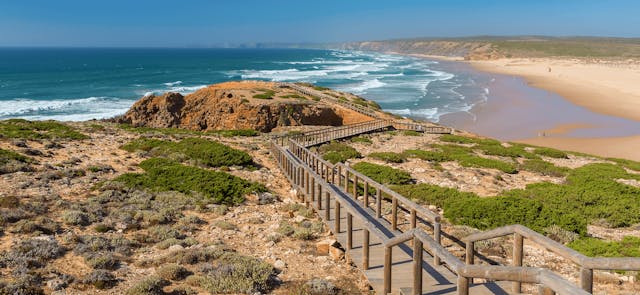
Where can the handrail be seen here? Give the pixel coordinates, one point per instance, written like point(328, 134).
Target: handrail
point(296, 160)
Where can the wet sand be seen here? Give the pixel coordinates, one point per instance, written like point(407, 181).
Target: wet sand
point(516, 111)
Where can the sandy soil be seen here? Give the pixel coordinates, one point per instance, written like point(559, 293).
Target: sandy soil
point(610, 88)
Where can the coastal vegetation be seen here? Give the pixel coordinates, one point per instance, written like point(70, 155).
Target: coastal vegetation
point(266, 94)
point(167, 175)
point(383, 174)
point(335, 152)
point(198, 151)
point(35, 130)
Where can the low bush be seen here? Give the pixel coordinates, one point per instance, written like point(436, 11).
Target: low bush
point(19, 128)
point(544, 168)
point(468, 160)
point(383, 174)
point(100, 279)
point(390, 157)
point(235, 132)
point(361, 139)
point(151, 285)
point(267, 94)
point(629, 246)
point(204, 152)
point(234, 273)
point(172, 272)
point(431, 156)
point(411, 133)
point(549, 152)
point(33, 252)
point(75, 217)
point(225, 225)
point(11, 161)
point(166, 175)
point(335, 152)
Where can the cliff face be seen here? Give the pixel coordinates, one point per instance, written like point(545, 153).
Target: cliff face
point(217, 107)
point(467, 49)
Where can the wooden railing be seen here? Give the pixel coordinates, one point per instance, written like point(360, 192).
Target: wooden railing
point(519, 232)
point(319, 181)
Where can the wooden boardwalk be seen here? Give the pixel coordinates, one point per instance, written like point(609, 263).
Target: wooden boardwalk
point(401, 259)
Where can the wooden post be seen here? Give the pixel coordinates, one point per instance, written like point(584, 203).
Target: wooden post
point(355, 187)
point(437, 237)
point(387, 269)
point(463, 285)
point(346, 180)
point(365, 198)
point(337, 217)
point(306, 185)
point(349, 231)
point(319, 204)
point(379, 203)
point(518, 243)
point(313, 189)
point(586, 279)
point(339, 175)
point(394, 214)
point(327, 206)
point(414, 217)
point(417, 266)
point(365, 249)
point(470, 252)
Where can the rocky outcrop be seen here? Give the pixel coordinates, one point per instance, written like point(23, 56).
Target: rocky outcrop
point(218, 107)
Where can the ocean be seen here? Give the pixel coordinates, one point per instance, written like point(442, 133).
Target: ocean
point(80, 84)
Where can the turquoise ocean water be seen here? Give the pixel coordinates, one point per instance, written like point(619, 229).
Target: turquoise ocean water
point(81, 84)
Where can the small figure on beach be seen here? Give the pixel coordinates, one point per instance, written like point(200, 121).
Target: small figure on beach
point(549, 69)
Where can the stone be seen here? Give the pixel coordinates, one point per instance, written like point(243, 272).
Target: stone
point(266, 198)
point(175, 248)
point(319, 286)
point(279, 265)
point(56, 284)
point(299, 219)
point(336, 253)
point(322, 247)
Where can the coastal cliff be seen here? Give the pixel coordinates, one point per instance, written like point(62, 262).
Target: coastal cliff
point(260, 106)
point(476, 50)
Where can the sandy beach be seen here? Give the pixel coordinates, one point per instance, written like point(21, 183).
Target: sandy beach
point(607, 87)
point(601, 102)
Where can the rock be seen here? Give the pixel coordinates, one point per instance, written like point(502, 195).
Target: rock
point(219, 107)
point(336, 253)
point(56, 284)
point(20, 143)
point(279, 265)
point(322, 247)
point(175, 248)
point(321, 286)
point(298, 219)
point(266, 198)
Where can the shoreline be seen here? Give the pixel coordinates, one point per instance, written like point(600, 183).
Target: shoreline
point(557, 109)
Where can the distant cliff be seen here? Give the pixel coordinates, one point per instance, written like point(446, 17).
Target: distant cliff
point(467, 49)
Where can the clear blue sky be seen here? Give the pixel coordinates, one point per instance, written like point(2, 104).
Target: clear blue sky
point(208, 22)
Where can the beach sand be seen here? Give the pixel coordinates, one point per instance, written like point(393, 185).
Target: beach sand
point(611, 88)
point(604, 105)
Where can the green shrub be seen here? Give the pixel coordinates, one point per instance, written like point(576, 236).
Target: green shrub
point(632, 165)
point(383, 174)
point(75, 217)
point(172, 272)
point(236, 132)
point(628, 247)
point(11, 161)
point(166, 175)
point(235, 273)
point(205, 152)
point(224, 225)
point(151, 285)
point(549, 152)
point(543, 167)
point(431, 194)
point(514, 151)
point(165, 131)
point(431, 156)
point(361, 139)
point(267, 94)
point(411, 133)
point(390, 157)
point(457, 139)
point(19, 128)
point(335, 152)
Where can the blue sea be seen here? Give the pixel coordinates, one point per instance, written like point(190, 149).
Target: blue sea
point(81, 84)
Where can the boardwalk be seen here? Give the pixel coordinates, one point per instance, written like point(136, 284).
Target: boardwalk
point(397, 243)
